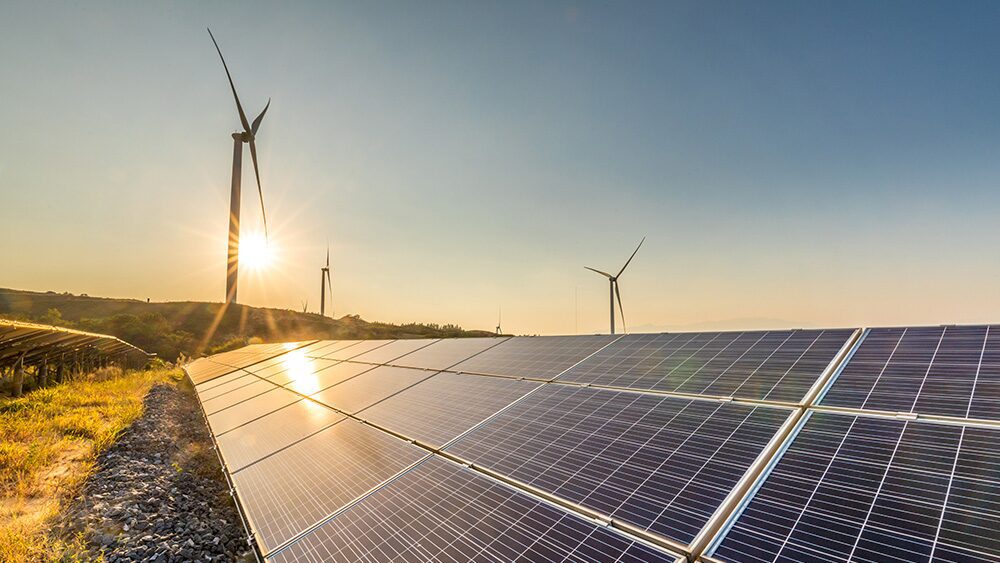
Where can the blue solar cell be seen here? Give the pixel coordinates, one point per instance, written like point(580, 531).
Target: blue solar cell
point(664, 464)
point(875, 489)
point(928, 370)
point(439, 511)
point(771, 365)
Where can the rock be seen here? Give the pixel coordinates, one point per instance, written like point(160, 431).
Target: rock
point(164, 513)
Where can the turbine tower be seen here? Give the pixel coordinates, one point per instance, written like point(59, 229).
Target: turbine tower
point(615, 292)
point(247, 135)
point(324, 283)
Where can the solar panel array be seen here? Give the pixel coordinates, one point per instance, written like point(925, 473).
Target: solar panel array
point(803, 445)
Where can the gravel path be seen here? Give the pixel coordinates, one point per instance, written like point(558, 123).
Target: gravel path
point(159, 494)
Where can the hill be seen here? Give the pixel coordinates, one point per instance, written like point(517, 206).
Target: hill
point(195, 328)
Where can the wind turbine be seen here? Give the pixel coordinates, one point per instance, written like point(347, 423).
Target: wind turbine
point(499, 317)
point(324, 282)
point(615, 292)
point(248, 135)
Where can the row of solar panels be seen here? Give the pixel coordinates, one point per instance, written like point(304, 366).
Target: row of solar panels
point(642, 447)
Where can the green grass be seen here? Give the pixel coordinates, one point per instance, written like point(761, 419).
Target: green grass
point(49, 440)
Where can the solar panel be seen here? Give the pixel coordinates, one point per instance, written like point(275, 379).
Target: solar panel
point(439, 511)
point(240, 379)
point(226, 419)
point(875, 489)
point(270, 433)
point(203, 371)
point(943, 371)
point(393, 350)
point(235, 396)
point(327, 377)
point(770, 365)
point(321, 347)
point(664, 464)
point(214, 382)
point(288, 492)
point(349, 352)
point(297, 367)
point(369, 387)
point(539, 357)
point(439, 409)
point(446, 353)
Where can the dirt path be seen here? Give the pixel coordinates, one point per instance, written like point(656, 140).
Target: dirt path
point(159, 494)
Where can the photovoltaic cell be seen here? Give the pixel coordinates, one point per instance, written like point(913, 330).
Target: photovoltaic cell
point(446, 353)
point(439, 409)
point(875, 489)
point(539, 357)
point(264, 436)
point(664, 464)
point(767, 365)
point(226, 419)
point(369, 387)
point(948, 371)
point(393, 350)
point(288, 492)
point(438, 511)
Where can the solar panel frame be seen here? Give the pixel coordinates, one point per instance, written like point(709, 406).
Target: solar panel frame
point(439, 511)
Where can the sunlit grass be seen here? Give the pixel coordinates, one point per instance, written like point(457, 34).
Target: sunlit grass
point(49, 441)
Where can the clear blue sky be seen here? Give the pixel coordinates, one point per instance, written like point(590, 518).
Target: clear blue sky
point(796, 163)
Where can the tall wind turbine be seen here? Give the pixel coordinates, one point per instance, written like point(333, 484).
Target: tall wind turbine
point(248, 135)
point(324, 283)
point(615, 292)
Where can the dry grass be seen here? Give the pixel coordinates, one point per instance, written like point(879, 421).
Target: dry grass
point(49, 440)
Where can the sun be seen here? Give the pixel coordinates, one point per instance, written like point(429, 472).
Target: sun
point(255, 251)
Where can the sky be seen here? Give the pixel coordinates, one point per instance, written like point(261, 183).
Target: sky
point(796, 164)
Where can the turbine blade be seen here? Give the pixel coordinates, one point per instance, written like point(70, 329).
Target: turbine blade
point(329, 284)
point(256, 122)
point(605, 274)
point(239, 107)
point(631, 257)
point(618, 294)
point(260, 192)
point(328, 257)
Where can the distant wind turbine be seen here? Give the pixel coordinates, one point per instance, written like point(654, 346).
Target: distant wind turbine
point(499, 317)
point(248, 135)
point(615, 292)
point(324, 283)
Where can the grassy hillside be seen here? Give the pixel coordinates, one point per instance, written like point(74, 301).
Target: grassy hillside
point(195, 328)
